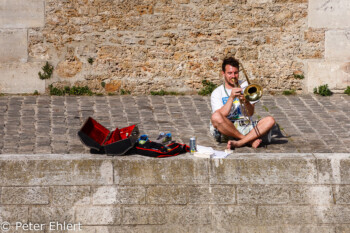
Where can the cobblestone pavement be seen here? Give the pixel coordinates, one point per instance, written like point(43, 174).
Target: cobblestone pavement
point(49, 124)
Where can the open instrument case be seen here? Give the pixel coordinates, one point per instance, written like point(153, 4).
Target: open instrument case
point(98, 138)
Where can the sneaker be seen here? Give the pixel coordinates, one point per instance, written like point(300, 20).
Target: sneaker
point(217, 136)
point(143, 139)
point(168, 138)
point(164, 138)
point(225, 138)
point(267, 138)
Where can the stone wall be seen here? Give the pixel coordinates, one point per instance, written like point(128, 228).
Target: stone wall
point(19, 73)
point(243, 193)
point(334, 66)
point(144, 45)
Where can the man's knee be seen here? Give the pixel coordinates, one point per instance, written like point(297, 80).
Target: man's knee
point(216, 118)
point(270, 121)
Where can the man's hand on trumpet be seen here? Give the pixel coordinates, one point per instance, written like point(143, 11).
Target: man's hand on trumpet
point(243, 99)
point(236, 92)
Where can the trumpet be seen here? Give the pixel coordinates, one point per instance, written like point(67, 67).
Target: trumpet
point(252, 92)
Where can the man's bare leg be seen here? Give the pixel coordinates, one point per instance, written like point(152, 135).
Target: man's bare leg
point(225, 126)
point(263, 126)
point(256, 143)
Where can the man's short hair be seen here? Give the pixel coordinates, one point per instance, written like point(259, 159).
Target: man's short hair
point(230, 61)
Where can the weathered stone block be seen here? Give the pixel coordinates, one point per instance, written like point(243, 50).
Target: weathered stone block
point(337, 45)
point(70, 196)
point(155, 171)
point(13, 46)
point(170, 228)
point(286, 169)
point(226, 216)
point(46, 215)
point(86, 229)
point(167, 194)
point(13, 214)
point(98, 215)
point(188, 215)
point(260, 229)
point(170, 215)
point(307, 228)
point(21, 230)
point(127, 229)
point(284, 194)
point(118, 195)
point(334, 214)
point(329, 14)
point(335, 74)
point(342, 229)
point(22, 13)
point(21, 78)
point(263, 194)
point(65, 171)
point(178, 228)
point(213, 194)
point(25, 195)
point(316, 195)
point(342, 194)
point(333, 169)
point(275, 215)
point(144, 215)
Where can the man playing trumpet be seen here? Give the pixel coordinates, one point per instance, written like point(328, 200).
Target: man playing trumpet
point(229, 118)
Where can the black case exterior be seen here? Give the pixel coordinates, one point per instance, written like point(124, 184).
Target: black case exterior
point(122, 146)
point(119, 147)
point(89, 142)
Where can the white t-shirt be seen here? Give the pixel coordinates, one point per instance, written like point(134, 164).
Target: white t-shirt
point(219, 98)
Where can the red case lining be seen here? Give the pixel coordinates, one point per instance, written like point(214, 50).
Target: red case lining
point(103, 136)
point(126, 132)
point(95, 131)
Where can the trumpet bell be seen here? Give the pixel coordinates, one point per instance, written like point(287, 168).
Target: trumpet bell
point(253, 92)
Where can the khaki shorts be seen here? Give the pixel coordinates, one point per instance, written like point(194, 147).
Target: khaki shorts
point(244, 127)
point(241, 126)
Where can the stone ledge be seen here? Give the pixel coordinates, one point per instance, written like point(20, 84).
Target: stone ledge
point(33, 170)
point(242, 193)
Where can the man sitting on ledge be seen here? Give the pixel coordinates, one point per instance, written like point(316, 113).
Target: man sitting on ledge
point(228, 118)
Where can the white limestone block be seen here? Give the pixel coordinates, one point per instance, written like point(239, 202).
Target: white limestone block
point(13, 46)
point(22, 13)
point(18, 78)
point(337, 45)
point(335, 74)
point(333, 14)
